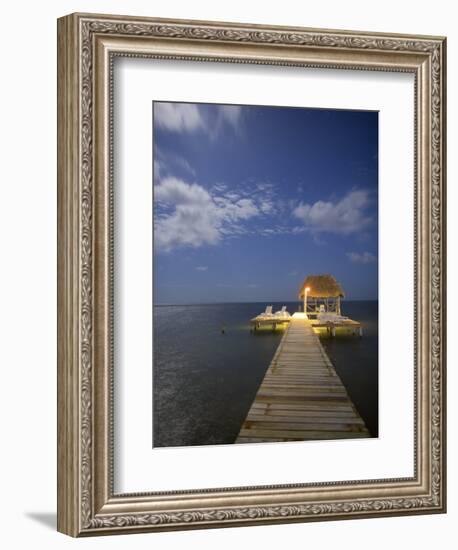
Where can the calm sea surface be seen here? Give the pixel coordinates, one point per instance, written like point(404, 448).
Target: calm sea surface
point(204, 381)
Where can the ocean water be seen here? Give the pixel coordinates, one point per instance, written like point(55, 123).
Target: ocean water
point(208, 365)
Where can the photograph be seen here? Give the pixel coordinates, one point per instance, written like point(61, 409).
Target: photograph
point(265, 274)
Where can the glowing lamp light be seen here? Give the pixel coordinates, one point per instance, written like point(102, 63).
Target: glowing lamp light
point(307, 289)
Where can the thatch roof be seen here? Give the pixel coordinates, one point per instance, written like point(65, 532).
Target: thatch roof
point(321, 286)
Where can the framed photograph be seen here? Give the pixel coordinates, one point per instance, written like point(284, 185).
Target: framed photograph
point(251, 284)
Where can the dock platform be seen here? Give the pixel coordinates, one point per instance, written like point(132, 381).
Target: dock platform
point(345, 325)
point(301, 396)
point(273, 322)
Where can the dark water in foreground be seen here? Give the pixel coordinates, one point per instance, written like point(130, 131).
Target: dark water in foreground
point(204, 381)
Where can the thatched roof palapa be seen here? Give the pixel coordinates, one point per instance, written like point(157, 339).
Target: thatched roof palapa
point(321, 286)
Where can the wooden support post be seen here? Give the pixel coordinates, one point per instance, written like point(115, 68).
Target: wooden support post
point(305, 302)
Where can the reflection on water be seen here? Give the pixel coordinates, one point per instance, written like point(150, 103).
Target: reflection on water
point(207, 367)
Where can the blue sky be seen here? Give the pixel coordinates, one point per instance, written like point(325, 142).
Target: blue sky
point(248, 200)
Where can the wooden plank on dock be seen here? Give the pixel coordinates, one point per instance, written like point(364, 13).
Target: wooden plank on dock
point(301, 396)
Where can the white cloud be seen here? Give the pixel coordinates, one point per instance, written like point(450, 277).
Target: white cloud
point(158, 169)
point(264, 187)
point(265, 192)
point(191, 117)
point(165, 162)
point(183, 163)
point(345, 216)
point(197, 217)
point(220, 187)
point(266, 206)
point(202, 268)
point(178, 117)
point(175, 191)
point(231, 114)
point(363, 258)
point(297, 230)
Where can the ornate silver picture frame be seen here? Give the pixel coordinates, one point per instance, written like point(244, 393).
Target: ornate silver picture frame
point(87, 47)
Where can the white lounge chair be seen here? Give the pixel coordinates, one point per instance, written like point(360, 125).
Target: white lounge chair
point(282, 313)
point(267, 312)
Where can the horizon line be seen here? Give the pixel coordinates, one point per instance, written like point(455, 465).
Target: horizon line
point(254, 302)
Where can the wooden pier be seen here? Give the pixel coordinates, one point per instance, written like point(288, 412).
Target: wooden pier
point(301, 396)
